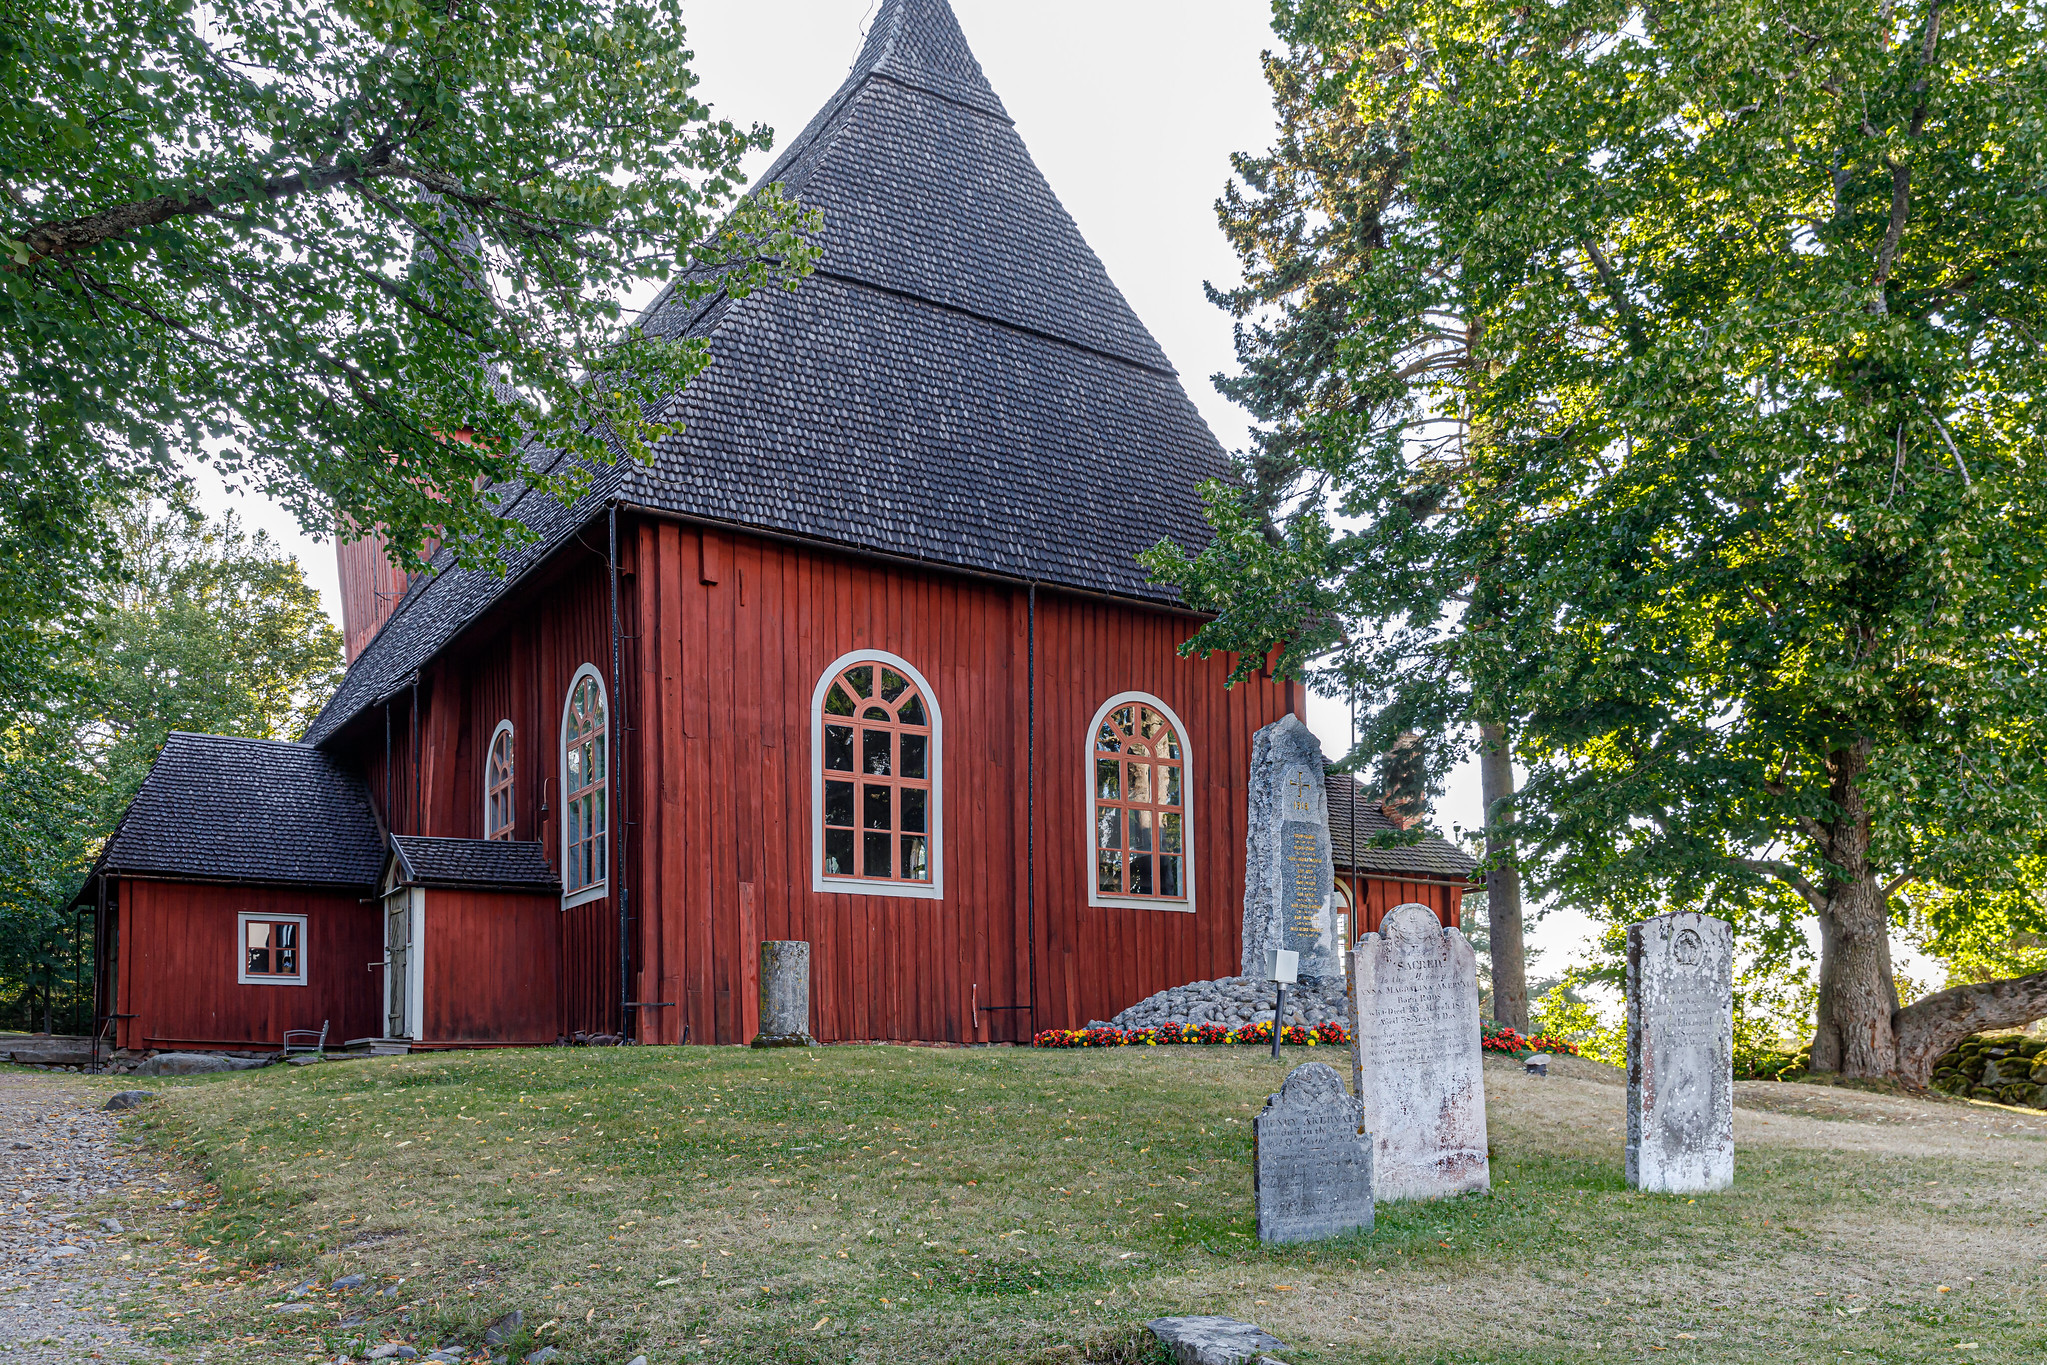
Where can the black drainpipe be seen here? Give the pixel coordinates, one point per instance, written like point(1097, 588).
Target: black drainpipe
point(1031, 798)
point(418, 825)
point(616, 778)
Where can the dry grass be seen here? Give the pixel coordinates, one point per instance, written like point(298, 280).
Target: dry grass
point(900, 1204)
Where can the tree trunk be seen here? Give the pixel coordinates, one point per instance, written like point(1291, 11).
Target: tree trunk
point(1929, 1027)
point(1857, 995)
point(1503, 881)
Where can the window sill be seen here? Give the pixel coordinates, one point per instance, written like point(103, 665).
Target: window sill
point(585, 896)
point(246, 980)
point(859, 886)
point(1101, 902)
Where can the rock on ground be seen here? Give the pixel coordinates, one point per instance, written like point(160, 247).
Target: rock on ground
point(1234, 1000)
point(1214, 1341)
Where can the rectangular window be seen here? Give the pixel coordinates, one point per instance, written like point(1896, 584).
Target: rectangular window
point(272, 950)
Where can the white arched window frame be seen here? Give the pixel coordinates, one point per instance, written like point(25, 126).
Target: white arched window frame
point(1190, 833)
point(934, 889)
point(584, 752)
point(500, 767)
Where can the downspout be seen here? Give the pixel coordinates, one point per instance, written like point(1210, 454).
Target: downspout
point(418, 824)
point(616, 778)
point(1031, 798)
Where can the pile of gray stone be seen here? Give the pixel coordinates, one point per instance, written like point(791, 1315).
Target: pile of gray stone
point(1234, 1000)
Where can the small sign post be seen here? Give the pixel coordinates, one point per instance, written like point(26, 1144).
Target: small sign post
point(1282, 965)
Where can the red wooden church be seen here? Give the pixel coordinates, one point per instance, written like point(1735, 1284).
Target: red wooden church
point(862, 657)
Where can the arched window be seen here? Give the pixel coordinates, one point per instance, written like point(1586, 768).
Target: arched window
point(585, 817)
point(497, 784)
point(876, 742)
point(1140, 804)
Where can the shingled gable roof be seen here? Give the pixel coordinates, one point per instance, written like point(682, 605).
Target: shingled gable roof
point(1355, 822)
point(958, 384)
point(220, 809)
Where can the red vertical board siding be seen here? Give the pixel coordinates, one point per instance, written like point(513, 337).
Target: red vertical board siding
point(180, 957)
point(734, 663)
point(488, 968)
point(718, 677)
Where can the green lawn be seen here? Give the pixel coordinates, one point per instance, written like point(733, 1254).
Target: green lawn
point(915, 1204)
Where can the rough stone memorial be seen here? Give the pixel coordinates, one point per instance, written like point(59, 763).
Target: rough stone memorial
point(1289, 881)
point(1680, 1054)
point(1311, 1160)
point(785, 995)
point(1415, 1060)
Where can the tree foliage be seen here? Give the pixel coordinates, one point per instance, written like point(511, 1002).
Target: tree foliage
point(1681, 408)
point(209, 629)
point(317, 240)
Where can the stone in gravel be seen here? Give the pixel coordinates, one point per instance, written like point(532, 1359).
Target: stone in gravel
point(347, 1282)
point(294, 1308)
point(1680, 1054)
point(22, 1146)
point(446, 1354)
point(177, 1204)
point(1213, 1341)
point(195, 1064)
point(392, 1350)
point(66, 1251)
point(542, 1356)
point(1289, 881)
point(130, 1099)
point(637, 1360)
point(1415, 1059)
point(501, 1331)
point(785, 995)
point(299, 1291)
point(112, 1225)
point(1311, 1170)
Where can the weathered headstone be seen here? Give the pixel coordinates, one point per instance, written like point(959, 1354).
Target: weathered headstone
point(1415, 1059)
point(1311, 1160)
point(785, 995)
point(1213, 1341)
point(1289, 881)
point(1680, 1054)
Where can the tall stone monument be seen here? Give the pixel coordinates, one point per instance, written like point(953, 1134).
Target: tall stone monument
point(1312, 1160)
point(1415, 1057)
point(1680, 1054)
point(1289, 881)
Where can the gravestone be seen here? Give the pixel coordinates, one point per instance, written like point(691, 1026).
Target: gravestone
point(1415, 1057)
point(785, 995)
point(1289, 881)
point(1680, 1054)
point(1311, 1160)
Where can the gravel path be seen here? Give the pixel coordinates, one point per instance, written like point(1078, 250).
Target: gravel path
point(67, 1265)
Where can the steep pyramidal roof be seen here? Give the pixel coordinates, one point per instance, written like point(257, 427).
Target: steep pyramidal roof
point(959, 383)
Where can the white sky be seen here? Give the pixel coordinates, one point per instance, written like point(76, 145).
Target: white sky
point(1132, 109)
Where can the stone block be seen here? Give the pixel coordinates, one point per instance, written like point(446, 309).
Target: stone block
point(1680, 1054)
point(1311, 1160)
point(1415, 1058)
point(785, 995)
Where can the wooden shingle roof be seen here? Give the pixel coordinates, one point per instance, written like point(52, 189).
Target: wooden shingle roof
point(1356, 823)
point(958, 384)
point(216, 808)
point(479, 864)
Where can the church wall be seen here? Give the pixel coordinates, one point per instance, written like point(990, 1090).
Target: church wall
point(732, 634)
point(180, 953)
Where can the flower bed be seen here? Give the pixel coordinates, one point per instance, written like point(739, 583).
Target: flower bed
point(1499, 1038)
point(1208, 1034)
